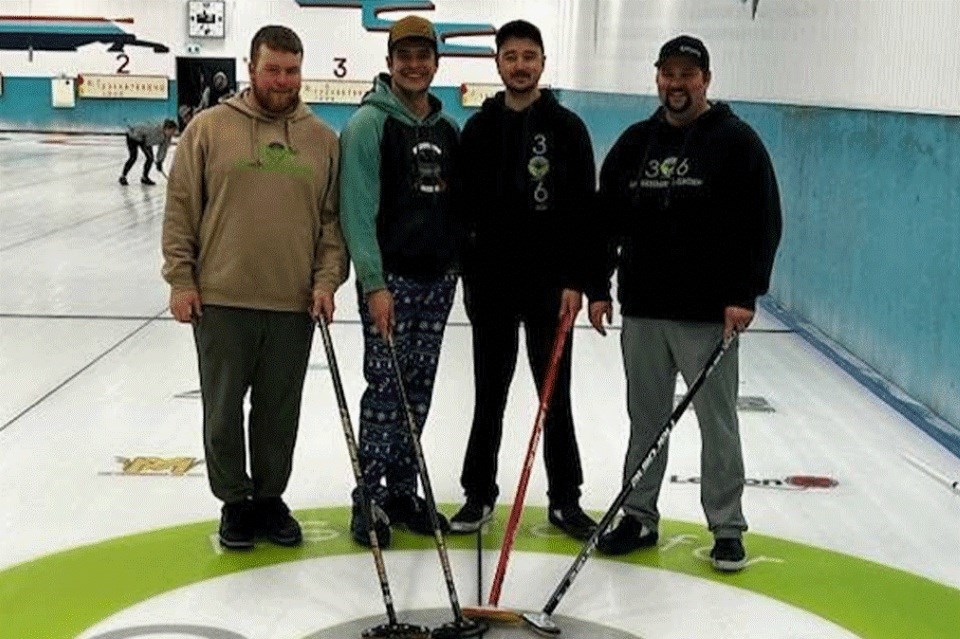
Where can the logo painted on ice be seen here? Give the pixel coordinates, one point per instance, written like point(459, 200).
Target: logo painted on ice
point(371, 10)
point(791, 482)
point(144, 466)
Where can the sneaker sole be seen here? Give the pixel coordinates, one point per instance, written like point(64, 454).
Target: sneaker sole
point(726, 565)
point(469, 526)
point(236, 545)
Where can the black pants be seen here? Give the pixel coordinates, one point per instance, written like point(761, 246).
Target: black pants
point(496, 327)
point(132, 147)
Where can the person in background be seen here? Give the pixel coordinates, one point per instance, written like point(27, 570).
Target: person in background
point(399, 155)
point(694, 226)
point(529, 185)
point(253, 253)
point(143, 137)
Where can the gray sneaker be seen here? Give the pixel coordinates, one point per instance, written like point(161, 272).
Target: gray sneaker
point(471, 517)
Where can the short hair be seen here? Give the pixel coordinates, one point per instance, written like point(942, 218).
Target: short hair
point(519, 29)
point(169, 124)
point(276, 37)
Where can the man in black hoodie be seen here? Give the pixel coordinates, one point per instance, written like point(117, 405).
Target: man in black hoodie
point(695, 216)
point(529, 182)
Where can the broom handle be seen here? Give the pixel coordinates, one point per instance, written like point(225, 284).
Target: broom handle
point(631, 483)
point(365, 503)
point(546, 393)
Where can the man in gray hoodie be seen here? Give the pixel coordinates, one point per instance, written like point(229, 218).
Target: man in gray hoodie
point(143, 137)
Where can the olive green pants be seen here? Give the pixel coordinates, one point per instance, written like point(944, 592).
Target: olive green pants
point(265, 353)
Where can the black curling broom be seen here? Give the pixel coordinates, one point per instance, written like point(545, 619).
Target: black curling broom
point(541, 621)
point(393, 629)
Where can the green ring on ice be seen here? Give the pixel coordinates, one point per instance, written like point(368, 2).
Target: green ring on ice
point(60, 595)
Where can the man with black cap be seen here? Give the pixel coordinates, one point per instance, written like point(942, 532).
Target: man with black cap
point(694, 226)
point(398, 167)
point(529, 186)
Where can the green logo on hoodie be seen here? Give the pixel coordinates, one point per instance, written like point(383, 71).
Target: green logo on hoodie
point(278, 158)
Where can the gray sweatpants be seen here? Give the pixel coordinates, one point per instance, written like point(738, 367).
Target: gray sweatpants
point(653, 352)
point(265, 352)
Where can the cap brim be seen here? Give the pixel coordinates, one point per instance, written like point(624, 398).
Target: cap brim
point(427, 40)
point(697, 61)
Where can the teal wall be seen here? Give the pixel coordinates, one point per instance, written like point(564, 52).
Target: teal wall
point(25, 105)
point(871, 252)
point(871, 246)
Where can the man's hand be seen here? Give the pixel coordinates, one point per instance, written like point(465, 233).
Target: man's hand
point(736, 318)
point(598, 311)
point(570, 303)
point(380, 303)
point(185, 304)
point(322, 306)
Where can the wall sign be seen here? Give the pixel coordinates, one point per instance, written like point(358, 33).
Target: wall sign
point(334, 91)
point(126, 86)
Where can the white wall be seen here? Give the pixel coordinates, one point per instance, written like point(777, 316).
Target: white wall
point(327, 33)
point(884, 54)
point(897, 55)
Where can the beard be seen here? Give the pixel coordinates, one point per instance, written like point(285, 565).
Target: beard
point(521, 84)
point(670, 102)
point(275, 102)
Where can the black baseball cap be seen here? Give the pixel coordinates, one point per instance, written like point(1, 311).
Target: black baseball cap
point(688, 46)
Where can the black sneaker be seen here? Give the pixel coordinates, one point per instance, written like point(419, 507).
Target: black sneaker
point(728, 555)
point(572, 520)
point(275, 522)
point(411, 511)
point(360, 528)
point(237, 526)
point(147, 181)
point(628, 535)
point(123, 180)
point(471, 517)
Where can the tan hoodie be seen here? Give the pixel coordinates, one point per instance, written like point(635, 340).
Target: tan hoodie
point(252, 218)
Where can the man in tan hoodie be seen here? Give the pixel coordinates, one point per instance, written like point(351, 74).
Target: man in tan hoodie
point(253, 253)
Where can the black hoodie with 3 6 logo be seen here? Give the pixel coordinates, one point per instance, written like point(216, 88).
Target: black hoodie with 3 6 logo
point(693, 217)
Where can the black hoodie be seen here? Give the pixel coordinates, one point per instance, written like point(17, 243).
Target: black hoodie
point(529, 185)
point(695, 213)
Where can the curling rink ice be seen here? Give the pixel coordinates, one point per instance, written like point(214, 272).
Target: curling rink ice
point(108, 524)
